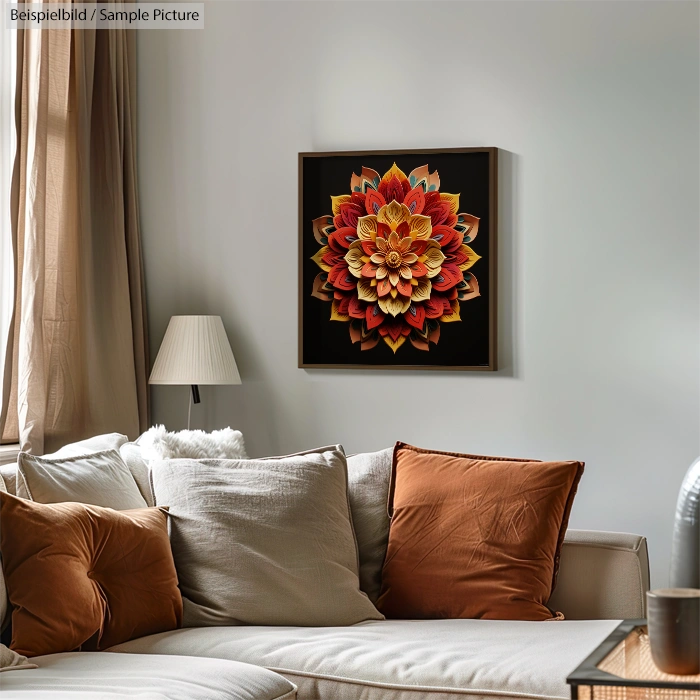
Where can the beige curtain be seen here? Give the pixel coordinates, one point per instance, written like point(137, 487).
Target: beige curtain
point(77, 353)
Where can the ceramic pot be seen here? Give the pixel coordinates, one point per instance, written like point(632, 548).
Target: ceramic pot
point(673, 620)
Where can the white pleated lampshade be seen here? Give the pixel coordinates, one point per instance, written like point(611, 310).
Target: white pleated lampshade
point(195, 350)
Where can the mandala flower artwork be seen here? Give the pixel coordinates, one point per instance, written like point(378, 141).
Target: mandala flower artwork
point(394, 258)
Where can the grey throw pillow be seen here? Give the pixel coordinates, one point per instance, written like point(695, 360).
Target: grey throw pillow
point(264, 541)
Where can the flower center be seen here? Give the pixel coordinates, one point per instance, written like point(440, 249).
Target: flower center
point(393, 259)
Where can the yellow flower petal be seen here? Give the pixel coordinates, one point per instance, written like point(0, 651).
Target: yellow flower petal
point(454, 316)
point(453, 199)
point(410, 258)
point(317, 258)
point(421, 292)
point(354, 259)
point(473, 257)
point(393, 214)
point(405, 245)
point(337, 201)
point(405, 272)
point(394, 305)
point(377, 258)
point(394, 170)
point(335, 314)
point(394, 241)
point(393, 277)
point(433, 260)
point(366, 290)
point(420, 227)
point(395, 345)
point(382, 272)
point(367, 228)
point(381, 244)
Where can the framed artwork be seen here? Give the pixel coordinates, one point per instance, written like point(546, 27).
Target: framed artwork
point(397, 259)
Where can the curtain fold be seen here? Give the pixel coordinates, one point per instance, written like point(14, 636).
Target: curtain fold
point(77, 357)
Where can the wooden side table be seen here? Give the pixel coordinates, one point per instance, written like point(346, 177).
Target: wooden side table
point(621, 668)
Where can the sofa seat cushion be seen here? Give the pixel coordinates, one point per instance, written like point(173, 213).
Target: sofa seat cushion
point(402, 659)
point(100, 676)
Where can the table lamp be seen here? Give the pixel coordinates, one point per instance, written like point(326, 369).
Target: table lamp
point(195, 350)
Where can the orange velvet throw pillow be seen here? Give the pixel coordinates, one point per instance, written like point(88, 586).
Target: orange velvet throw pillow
point(82, 577)
point(474, 537)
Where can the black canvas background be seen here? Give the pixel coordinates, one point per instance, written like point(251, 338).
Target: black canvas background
point(462, 343)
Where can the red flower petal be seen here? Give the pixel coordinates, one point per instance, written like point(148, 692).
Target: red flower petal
point(383, 230)
point(447, 278)
point(456, 258)
point(350, 213)
point(403, 229)
point(369, 247)
point(356, 308)
point(454, 244)
point(383, 287)
point(359, 199)
point(374, 316)
point(418, 247)
point(418, 269)
point(430, 199)
point(341, 278)
point(373, 202)
point(437, 212)
point(415, 200)
point(331, 258)
point(369, 270)
point(343, 237)
point(415, 316)
point(404, 287)
point(394, 328)
point(344, 304)
point(443, 235)
point(433, 307)
point(393, 190)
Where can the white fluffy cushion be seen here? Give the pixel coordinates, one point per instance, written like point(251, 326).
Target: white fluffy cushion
point(263, 541)
point(369, 474)
point(158, 443)
point(100, 479)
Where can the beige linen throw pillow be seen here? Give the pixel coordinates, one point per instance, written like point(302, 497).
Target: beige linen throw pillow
point(264, 541)
point(98, 479)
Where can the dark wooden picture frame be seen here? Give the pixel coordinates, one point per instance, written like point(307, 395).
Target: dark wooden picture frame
point(471, 174)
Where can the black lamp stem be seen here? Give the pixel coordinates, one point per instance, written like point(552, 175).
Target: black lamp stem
point(195, 394)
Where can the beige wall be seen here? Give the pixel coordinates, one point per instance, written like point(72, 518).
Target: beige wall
point(595, 106)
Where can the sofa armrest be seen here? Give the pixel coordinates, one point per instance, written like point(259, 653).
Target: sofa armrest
point(602, 575)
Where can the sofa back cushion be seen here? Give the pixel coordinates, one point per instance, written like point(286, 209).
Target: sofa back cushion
point(264, 541)
point(474, 537)
point(368, 487)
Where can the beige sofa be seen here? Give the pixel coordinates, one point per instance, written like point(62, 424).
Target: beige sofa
point(603, 579)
